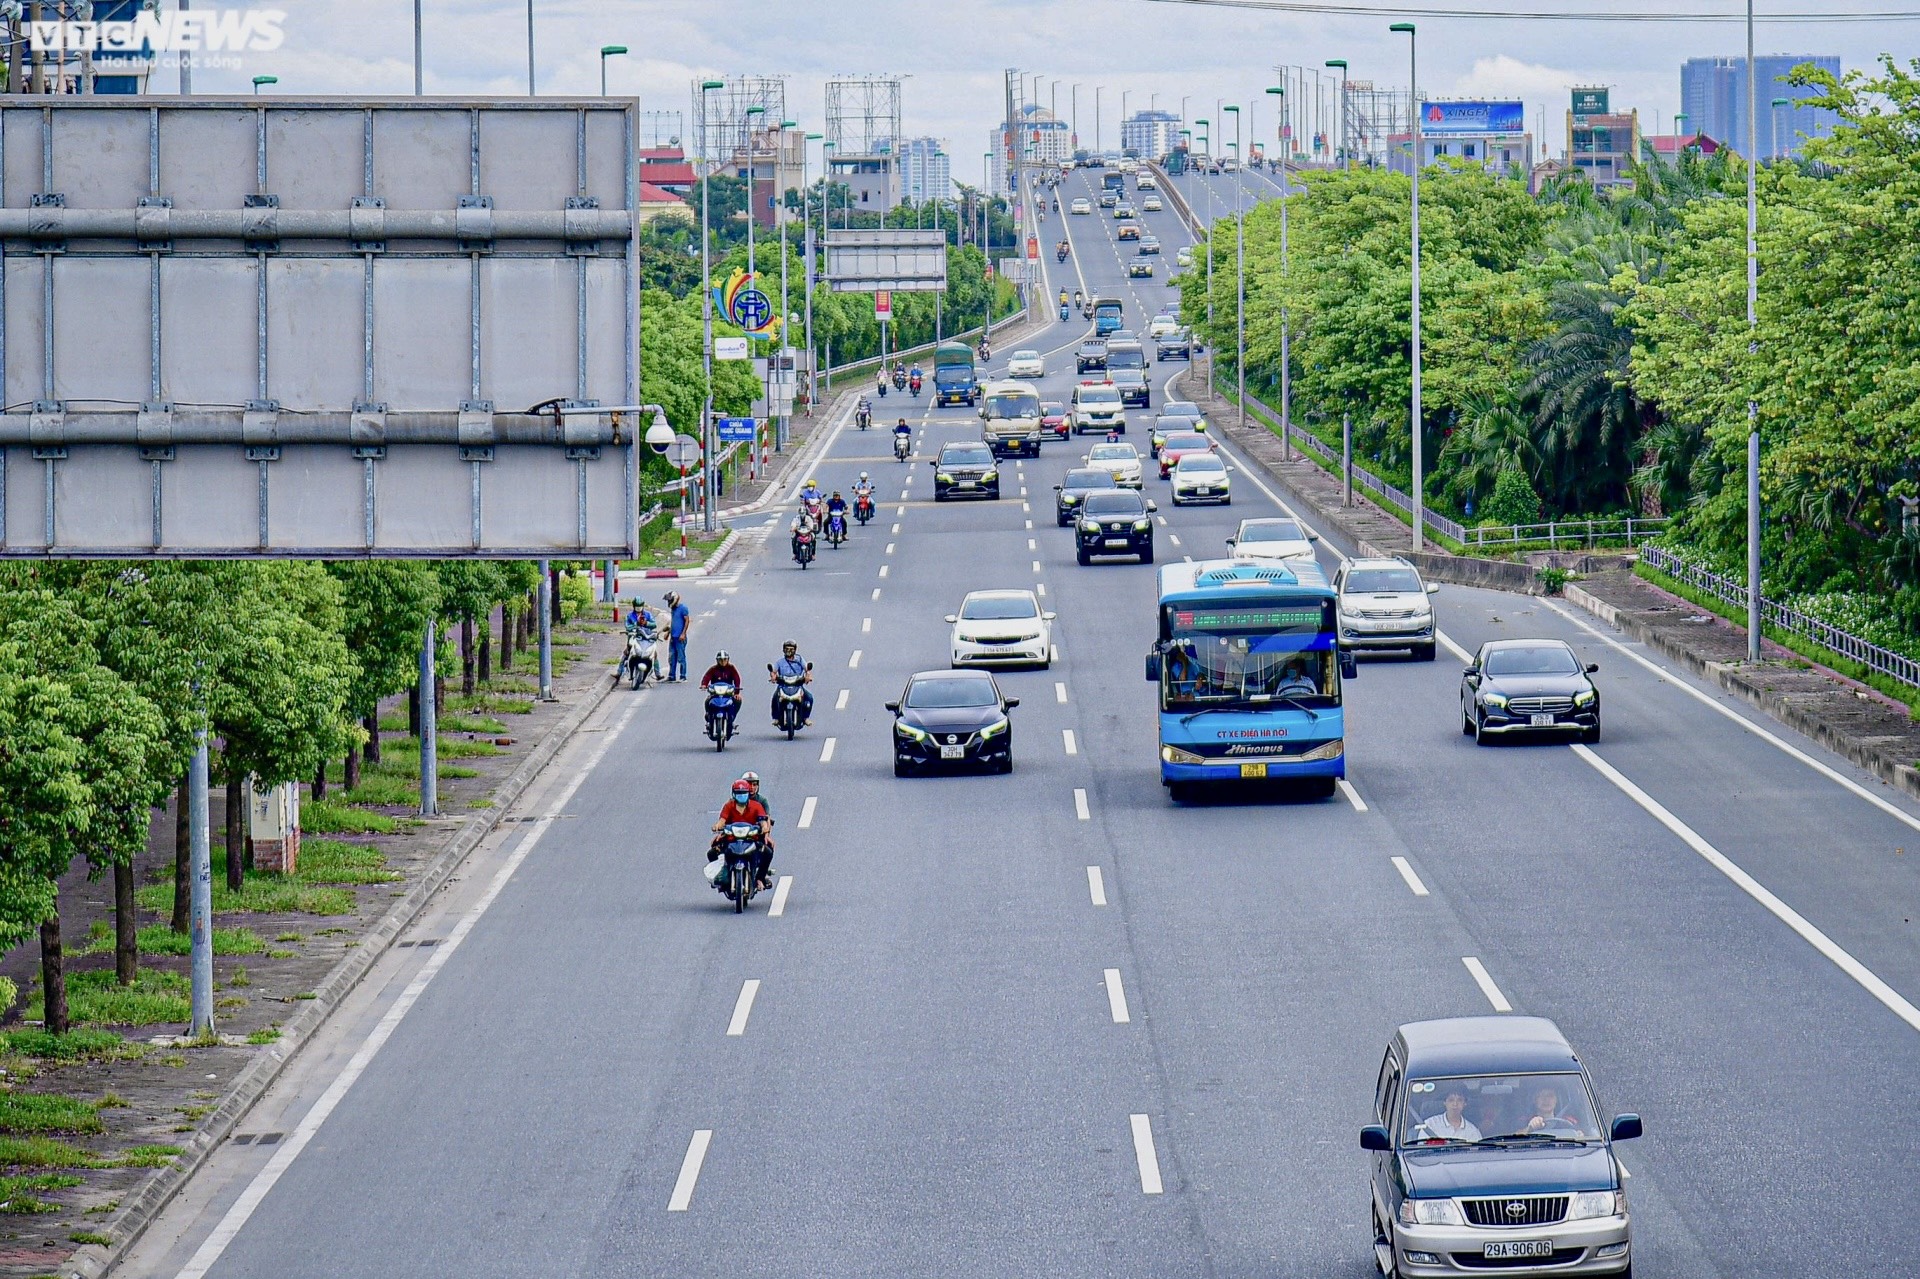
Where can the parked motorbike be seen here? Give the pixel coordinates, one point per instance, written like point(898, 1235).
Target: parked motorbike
point(641, 658)
point(863, 508)
point(803, 549)
point(735, 872)
point(723, 707)
point(836, 529)
point(901, 444)
point(789, 703)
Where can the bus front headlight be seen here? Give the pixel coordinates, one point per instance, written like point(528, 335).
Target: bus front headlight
point(1327, 750)
point(1174, 755)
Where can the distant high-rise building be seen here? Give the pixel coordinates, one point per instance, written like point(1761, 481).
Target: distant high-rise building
point(1037, 136)
point(1149, 134)
point(1713, 93)
point(925, 171)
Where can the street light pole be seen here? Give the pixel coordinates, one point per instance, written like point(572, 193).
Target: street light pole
point(986, 230)
point(606, 51)
point(1413, 414)
point(1076, 117)
point(706, 317)
point(1240, 268)
point(263, 79)
point(1753, 349)
point(1097, 90)
point(1206, 149)
point(1775, 113)
point(806, 188)
point(530, 89)
point(418, 52)
point(1340, 151)
point(1286, 288)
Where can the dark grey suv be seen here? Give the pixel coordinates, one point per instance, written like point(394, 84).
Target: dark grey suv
point(965, 470)
point(1118, 522)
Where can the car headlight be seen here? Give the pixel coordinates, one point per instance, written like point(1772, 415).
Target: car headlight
point(1588, 1204)
point(1141, 526)
point(1585, 697)
point(1089, 526)
point(994, 730)
point(918, 735)
point(1069, 499)
point(1496, 700)
point(1327, 750)
point(990, 477)
point(943, 477)
point(1174, 755)
point(1431, 1212)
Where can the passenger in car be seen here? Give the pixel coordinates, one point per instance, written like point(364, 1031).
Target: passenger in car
point(1451, 1123)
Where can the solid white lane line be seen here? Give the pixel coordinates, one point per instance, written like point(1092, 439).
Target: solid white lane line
point(1060, 689)
point(1117, 998)
point(1080, 805)
point(840, 703)
point(826, 750)
point(866, 623)
point(806, 813)
point(690, 1170)
point(780, 890)
point(853, 662)
point(256, 1191)
point(1407, 873)
point(1072, 747)
point(889, 549)
point(743, 1006)
point(1787, 747)
point(1143, 1154)
point(1487, 988)
point(1346, 788)
point(1898, 1005)
point(1096, 886)
point(1446, 640)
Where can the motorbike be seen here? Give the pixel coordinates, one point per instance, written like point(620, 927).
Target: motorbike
point(641, 657)
point(901, 443)
point(735, 873)
point(863, 508)
point(790, 697)
point(914, 384)
point(984, 351)
point(1063, 310)
point(836, 529)
point(899, 379)
point(812, 506)
point(803, 549)
point(864, 415)
point(723, 707)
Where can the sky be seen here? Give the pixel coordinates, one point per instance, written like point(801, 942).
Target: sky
point(953, 56)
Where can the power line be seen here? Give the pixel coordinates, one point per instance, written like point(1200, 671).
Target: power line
point(1361, 10)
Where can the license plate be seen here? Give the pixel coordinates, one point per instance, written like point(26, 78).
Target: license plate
point(1253, 770)
point(1204, 491)
point(953, 752)
point(1540, 721)
point(1519, 1248)
point(1116, 541)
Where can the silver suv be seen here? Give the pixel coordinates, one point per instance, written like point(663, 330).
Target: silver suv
point(1384, 604)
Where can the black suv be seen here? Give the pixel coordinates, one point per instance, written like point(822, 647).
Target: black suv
point(1178, 342)
point(1119, 522)
point(965, 470)
point(1070, 492)
point(1091, 355)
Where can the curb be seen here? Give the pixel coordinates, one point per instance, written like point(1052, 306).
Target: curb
point(141, 1208)
point(705, 569)
point(1736, 679)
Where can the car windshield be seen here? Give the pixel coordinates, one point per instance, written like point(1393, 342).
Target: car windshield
point(1052, 409)
point(1270, 531)
point(1112, 453)
point(949, 693)
point(1127, 376)
point(1185, 440)
point(1182, 408)
point(1087, 478)
point(1383, 581)
point(1034, 355)
point(966, 455)
point(1493, 1108)
point(1101, 395)
point(1253, 652)
point(1114, 503)
point(1130, 358)
point(996, 608)
point(1164, 426)
point(1543, 659)
point(1201, 462)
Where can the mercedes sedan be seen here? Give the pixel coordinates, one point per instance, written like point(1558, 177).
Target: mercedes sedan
point(952, 717)
point(1529, 686)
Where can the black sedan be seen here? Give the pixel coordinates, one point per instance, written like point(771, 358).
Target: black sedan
point(1135, 393)
point(1070, 492)
point(1119, 522)
point(952, 717)
point(1528, 686)
point(965, 470)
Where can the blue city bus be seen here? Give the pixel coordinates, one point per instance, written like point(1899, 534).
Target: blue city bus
point(1249, 670)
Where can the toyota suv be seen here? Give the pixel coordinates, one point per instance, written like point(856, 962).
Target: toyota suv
point(1091, 357)
point(1384, 605)
point(965, 470)
point(1489, 1153)
point(1114, 522)
point(1097, 407)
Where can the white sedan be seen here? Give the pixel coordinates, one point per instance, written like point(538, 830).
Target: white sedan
point(1151, 204)
point(1201, 477)
point(1026, 364)
point(1122, 461)
point(1272, 539)
point(1002, 628)
point(1086, 206)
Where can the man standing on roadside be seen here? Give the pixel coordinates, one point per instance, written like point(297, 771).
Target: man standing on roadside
point(677, 628)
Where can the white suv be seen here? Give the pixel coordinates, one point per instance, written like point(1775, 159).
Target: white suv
point(1384, 604)
point(1097, 406)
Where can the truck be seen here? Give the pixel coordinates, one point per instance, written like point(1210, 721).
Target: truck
point(1113, 180)
point(1011, 419)
point(953, 378)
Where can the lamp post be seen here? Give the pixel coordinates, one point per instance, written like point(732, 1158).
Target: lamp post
point(1413, 412)
point(1123, 119)
point(826, 190)
point(706, 309)
point(1286, 332)
point(1076, 117)
point(608, 51)
point(806, 214)
point(530, 90)
point(780, 225)
point(1206, 149)
point(1097, 90)
point(1240, 268)
point(986, 230)
point(262, 80)
point(1679, 136)
point(1340, 152)
point(1753, 348)
point(419, 52)
point(1777, 104)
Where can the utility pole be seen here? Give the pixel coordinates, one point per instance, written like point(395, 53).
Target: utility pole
point(1419, 441)
point(1240, 267)
point(429, 723)
point(200, 895)
point(1286, 292)
point(707, 469)
point(1753, 350)
point(418, 53)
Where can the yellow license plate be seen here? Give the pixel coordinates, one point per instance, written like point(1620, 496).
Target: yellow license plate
point(1253, 770)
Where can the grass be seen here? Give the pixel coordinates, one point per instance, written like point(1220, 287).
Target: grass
point(240, 977)
point(76, 1045)
point(148, 1156)
point(333, 861)
point(159, 939)
point(662, 551)
point(44, 1152)
point(281, 954)
point(95, 998)
point(1853, 670)
point(325, 817)
point(260, 893)
point(91, 1236)
point(21, 1194)
point(231, 1003)
point(265, 1035)
point(465, 748)
point(29, 1112)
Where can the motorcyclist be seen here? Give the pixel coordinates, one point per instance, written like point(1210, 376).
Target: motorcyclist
point(864, 414)
point(802, 525)
point(792, 670)
point(880, 382)
point(901, 432)
point(1079, 298)
point(723, 671)
point(810, 492)
point(862, 487)
point(752, 779)
point(641, 625)
point(837, 505)
point(741, 806)
point(1063, 297)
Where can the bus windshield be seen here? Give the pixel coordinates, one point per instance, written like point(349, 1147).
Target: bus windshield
point(1249, 654)
point(1013, 404)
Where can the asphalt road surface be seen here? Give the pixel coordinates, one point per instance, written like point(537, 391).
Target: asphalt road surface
point(1051, 1023)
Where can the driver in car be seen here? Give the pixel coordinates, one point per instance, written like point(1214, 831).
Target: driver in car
point(1546, 1113)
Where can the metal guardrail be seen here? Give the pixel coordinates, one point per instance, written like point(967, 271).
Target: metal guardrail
point(1630, 529)
point(1881, 661)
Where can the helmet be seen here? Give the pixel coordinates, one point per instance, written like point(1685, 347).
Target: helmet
point(671, 597)
point(789, 644)
point(742, 789)
point(863, 475)
point(720, 658)
point(750, 777)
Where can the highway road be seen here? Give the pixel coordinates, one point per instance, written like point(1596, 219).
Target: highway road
point(1052, 1024)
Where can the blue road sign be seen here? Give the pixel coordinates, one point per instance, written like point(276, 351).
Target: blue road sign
point(730, 429)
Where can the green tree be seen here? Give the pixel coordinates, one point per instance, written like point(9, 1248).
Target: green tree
point(1513, 500)
point(385, 607)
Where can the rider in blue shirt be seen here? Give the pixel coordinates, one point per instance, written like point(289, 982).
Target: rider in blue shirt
point(793, 671)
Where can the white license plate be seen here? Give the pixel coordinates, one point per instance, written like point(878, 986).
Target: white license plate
point(1519, 1248)
point(953, 752)
point(1207, 492)
point(1116, 541)
point(967, 484)
point(1540, 721)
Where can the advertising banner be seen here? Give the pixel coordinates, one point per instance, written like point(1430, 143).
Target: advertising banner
point(1437, 119)
point(1590, 101)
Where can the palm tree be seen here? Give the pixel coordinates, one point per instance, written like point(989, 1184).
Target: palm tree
point(1663, 482)
point(1493, 435)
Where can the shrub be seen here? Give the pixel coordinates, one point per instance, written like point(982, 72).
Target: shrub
point(1513, 500)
